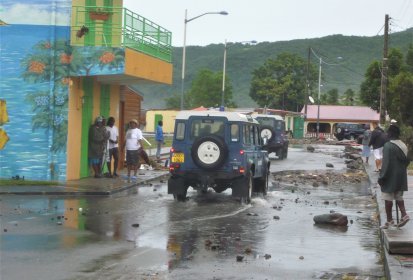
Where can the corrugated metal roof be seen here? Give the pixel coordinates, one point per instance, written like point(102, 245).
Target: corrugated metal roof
point(344, 113)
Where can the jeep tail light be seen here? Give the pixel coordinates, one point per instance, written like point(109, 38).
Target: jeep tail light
point(172, 150)
point(174, 166)
point(241, 152)
point(241, 170)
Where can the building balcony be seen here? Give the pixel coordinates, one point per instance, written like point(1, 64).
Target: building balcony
point(126, 46)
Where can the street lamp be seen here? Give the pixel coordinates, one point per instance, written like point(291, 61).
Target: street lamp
point(319, 87)
point(184, 48)
point(319, 94)
point(224, 70)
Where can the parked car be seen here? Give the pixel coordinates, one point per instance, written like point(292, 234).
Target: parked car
point(350, 131)
point(217, 150)
point(273, 134)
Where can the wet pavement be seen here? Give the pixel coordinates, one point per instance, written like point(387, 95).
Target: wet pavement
point(142, 233)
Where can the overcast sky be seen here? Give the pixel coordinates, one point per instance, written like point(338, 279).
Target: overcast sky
point(260, 20)
point(273, 20)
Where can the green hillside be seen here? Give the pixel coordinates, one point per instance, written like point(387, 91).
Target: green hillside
point(356, 52)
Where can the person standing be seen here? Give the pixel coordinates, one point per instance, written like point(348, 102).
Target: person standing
point(113, 147)
point(159, 140)
point(133, 142)
point(97, 142)
point(365, 142)
point(393, 176)
point(377, 140)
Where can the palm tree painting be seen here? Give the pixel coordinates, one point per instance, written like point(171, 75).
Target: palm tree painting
point(54, 63)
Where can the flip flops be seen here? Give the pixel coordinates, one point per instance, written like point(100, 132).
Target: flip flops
point(388, 224)
point(403, 221)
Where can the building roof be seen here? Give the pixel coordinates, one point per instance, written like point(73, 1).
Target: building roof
point(342, 113)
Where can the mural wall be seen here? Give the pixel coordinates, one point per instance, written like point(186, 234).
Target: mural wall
point(37, 62)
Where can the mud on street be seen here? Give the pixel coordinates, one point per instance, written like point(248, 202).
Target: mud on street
point(144, 234)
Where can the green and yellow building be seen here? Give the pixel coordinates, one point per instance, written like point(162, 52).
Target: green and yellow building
point(59, 74)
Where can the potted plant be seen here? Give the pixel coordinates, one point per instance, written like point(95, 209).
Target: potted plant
point(99, 14)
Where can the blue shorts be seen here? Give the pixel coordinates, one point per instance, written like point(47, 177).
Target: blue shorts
point(95, 161)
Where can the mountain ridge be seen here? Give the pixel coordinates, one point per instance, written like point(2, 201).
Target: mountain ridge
point(357, 52)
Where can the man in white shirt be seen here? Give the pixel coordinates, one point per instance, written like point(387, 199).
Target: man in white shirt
point(133, 142)
point(113, 147)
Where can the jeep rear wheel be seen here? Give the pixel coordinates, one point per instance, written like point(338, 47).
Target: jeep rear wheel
point(219, 188)
point(280, 153)
point(261, 184)
point(177, 187)
point(246, 186)
point(286, 152)
point(209, 152)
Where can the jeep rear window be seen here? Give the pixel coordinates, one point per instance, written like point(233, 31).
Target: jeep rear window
point(234, 132)
point(203, 127)
point(180, 131)
point(277, 124)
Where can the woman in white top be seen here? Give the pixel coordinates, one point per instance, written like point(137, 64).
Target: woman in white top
point(133, 142)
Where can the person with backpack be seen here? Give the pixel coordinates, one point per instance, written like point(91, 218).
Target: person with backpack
point(393, 176)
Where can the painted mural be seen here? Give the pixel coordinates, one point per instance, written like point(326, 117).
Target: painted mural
point(37, 63)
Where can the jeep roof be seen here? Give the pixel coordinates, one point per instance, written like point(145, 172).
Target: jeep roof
point(231, 116)
point(277, 117)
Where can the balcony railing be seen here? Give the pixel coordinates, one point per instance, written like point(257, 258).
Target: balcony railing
point(119, 27)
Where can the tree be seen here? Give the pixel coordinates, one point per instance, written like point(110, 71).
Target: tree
point(370, 87)
point(282, 82)
point(409, 59)
point(349, 97)
point(400, 98)
point(206, 90)
point(332, 97)
point(174, 102)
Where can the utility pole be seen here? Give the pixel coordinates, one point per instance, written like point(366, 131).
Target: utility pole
point(383, 88)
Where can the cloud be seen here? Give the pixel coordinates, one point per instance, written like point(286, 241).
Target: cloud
point(36, 14)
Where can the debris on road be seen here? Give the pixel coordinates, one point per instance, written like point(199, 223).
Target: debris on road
point(335, 219)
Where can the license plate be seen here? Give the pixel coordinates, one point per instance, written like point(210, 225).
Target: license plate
point(178, 157)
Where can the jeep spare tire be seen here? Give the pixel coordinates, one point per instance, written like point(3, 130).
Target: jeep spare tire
point(267, 133)
point(209, 152)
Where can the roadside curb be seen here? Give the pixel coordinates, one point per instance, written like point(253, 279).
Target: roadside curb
point(376, 198)
point(55, 192)
point(393, 267)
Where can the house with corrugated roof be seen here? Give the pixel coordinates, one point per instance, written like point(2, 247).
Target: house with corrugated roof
point(330, 115)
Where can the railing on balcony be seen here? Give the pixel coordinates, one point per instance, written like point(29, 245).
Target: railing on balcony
point(119, 27)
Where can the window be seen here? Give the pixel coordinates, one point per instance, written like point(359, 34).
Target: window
point(234, 132)
point(180, 131)
point(248, 134)
point(266, 121)
point(256, 136)
point(203, 127)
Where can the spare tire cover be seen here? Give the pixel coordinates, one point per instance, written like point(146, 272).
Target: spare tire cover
point(209, 152)
point(267, 132)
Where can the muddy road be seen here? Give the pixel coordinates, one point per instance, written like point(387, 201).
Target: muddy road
point(144, 234)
